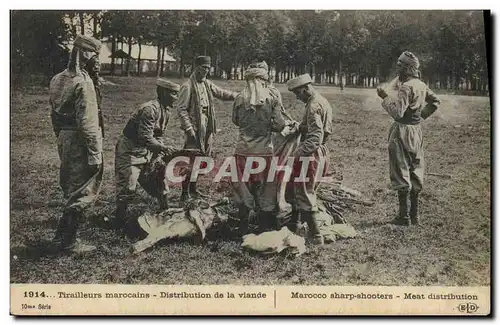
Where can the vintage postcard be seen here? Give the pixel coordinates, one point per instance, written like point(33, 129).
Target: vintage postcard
point(250, 162)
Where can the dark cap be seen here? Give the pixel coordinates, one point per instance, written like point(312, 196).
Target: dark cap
point(204, 61)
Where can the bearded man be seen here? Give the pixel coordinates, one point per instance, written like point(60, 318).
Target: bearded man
point(75, 120)
point(196, 109)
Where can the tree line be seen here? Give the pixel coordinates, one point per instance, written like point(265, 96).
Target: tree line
point(357, 48)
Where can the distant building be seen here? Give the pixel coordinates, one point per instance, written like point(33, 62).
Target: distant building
point(149, 58)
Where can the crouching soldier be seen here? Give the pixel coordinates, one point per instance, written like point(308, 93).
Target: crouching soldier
point(413, 103)
point(315, 128)
point(139, 145)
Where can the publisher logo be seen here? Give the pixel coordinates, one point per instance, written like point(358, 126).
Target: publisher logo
point(468, 308)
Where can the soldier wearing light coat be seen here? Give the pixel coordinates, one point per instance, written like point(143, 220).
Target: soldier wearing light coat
point(316, 126)
point(195, 107)
point(75, 121)
point(413, 103)
point(257, 111)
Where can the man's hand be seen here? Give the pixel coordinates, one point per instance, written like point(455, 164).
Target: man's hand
point(168, 150)
point(190, 133)
point(381, 92)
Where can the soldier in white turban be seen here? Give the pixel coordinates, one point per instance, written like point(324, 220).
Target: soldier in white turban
point(257, 111)
point(413, 103)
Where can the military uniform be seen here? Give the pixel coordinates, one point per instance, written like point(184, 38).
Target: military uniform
point(136, 148)
point(195, 107)
point(75, 121)
point(256, 125)
point(316, 126)
point(413, 102)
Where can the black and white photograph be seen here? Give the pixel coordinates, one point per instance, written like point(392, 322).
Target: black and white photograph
point(299, 148)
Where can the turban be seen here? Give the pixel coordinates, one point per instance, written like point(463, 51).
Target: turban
point(302, 80)
point(204, 61)
point(409, 59)
point(87, 43)
point(166, 84)
point(257, 70)
point(255, 93)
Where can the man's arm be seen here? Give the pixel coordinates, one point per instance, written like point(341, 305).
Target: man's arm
point(396, 107)
point(278, 121)
point(87, 120)
point(220, 93)
point(182, 107)
point(433, 103)
point(314, 133)
point(236, 107)
point(145, 131)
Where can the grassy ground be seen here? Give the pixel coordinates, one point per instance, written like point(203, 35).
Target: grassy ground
point(452, 248)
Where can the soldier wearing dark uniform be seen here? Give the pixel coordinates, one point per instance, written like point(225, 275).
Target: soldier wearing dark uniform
point(140, 144)
point(413, 103)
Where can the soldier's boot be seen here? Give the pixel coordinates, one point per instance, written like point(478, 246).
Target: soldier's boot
point(414, 216)
point(66, 234)
point(185, 196)
point(243, 215)
point(295, 225)
point(118, 221)
point(163, 201)
point(403, 218)
point(267, 221)
point(314, 233)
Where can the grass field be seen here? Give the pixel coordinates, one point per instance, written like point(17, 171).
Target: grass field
point(452, 247)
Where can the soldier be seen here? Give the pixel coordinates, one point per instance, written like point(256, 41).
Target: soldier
point(414, 102)
point(257, 113)
point(196, 112)
point(140, 144)
point(75, 121)
point(315, 128)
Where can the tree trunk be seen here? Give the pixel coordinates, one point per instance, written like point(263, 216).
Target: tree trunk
point(158, 59)
point(127, 68)
point(73, 25)
point(113, 49)
point(95, 20)
point(341, 75)
point(162, 61)
point(139, 58)
point(82, 23)
point(181, 65)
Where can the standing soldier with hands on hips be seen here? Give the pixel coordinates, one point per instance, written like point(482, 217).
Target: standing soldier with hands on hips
point(413, 103)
